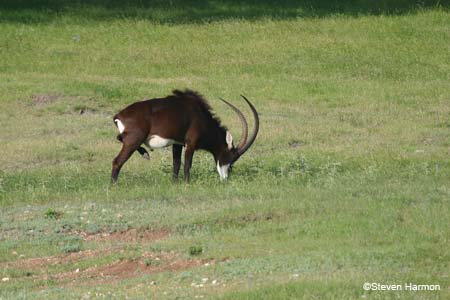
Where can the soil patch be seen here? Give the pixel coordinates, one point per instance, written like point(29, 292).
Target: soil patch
point(296, 143)
point(149, 263)
point(45, 98)
point(131, 235)
point(124, 268)
point(41, 262)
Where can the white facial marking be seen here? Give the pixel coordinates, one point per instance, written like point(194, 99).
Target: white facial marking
point(223, 170)
point(155, 141)
point(119, 125)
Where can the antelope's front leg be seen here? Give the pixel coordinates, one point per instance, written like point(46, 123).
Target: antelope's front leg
point(176, 155)
point(188, 154)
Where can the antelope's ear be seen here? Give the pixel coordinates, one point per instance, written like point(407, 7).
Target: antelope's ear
point(229, 140)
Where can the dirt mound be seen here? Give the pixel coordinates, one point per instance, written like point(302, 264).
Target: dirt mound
point(37, 268)
point(45, 98)
point(42, 262)
point(128, 268)
point(132, 235)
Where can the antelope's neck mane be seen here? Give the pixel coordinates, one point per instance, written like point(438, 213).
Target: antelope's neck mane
point(202, 104)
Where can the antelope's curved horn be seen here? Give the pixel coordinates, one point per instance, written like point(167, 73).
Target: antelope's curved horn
point(243, 122)
point(249, 142)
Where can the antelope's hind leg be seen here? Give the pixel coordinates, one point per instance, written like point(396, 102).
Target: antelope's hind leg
point(140, 149)
point(143, 152)
point(130, 143)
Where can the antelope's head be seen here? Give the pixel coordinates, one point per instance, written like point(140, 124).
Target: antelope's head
point(230, 154)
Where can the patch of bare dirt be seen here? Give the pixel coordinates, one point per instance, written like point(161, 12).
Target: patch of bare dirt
point(149, 263)
point(132, 235)
point(45, 98)
point(295, 143)
point(129, 236)
point(41, 262)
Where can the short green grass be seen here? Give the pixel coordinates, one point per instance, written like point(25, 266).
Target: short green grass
point(347, 183)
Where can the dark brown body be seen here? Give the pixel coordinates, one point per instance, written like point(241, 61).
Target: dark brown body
point(184, 118)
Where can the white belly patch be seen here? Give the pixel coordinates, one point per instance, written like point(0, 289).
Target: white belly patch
point(155, 141)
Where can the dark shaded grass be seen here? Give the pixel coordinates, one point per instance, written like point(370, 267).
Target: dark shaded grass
point(179, 12)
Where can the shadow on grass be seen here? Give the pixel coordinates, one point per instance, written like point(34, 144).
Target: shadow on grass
point(201, 11)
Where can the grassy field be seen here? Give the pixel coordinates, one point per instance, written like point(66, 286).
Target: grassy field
point(347, 182)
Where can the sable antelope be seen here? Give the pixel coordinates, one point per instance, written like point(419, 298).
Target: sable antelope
point(181, 119)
